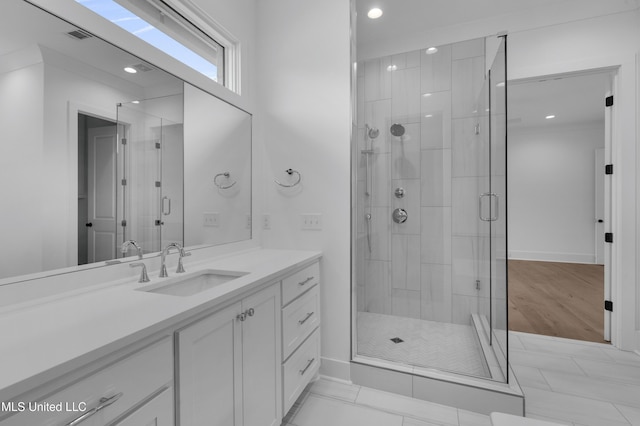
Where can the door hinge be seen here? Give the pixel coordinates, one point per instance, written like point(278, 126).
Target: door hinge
point(158, 222)
point(608, 305)
point(158, 184)
point(157, 145)
point(608, 101)
point(124, 141)
point(608, 169)
point(123, 223)
point(608, 237)
point(124, 182)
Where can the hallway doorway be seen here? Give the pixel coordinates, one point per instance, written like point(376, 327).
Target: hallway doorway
point(558, 208)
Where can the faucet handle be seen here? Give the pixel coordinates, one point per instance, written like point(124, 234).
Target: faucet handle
point(180, 268)
point(144, 278)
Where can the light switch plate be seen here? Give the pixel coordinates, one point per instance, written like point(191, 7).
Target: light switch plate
point(311, 221)
point(211, 219)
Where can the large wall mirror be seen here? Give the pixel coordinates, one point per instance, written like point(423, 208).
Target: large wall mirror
point(92, 156)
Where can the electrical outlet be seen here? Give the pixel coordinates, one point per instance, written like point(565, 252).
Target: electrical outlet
point(311, 221)
point(266, 221)
point(211, 219)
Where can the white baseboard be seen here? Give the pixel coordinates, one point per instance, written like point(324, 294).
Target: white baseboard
point(552, 257)
point(336, 369)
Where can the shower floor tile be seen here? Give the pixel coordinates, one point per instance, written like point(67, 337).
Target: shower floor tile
point(429, 344)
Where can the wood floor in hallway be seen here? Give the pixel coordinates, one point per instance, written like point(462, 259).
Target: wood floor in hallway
point(557, 299)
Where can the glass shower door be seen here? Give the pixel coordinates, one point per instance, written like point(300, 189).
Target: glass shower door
point(496, 197)
point(150, 158)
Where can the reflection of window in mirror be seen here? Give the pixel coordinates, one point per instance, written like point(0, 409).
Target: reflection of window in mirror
point(166, 29)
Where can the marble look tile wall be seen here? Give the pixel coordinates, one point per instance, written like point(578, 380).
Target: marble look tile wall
point(426, 267)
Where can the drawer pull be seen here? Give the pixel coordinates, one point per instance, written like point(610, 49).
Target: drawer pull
point(305, 281)
point(104, 403)
point(242, 316)
point(302, 321)
point(304, 370)
point(250, 312)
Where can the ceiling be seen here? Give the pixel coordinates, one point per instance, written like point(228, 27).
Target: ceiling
point(412, 16)
point(575, 99)
point(572, 99)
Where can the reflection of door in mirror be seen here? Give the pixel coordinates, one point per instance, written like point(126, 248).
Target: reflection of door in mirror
point(97, 145)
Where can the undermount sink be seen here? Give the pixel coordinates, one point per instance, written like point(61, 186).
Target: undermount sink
point(193, 283)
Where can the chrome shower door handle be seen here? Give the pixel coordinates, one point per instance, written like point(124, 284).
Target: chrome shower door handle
point(166, 202)
point(497, 206)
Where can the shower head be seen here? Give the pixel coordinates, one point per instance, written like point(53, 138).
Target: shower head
point(397, 129)
point(372, 132)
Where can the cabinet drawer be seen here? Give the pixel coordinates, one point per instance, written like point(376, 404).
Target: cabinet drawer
point(125, 384)
point(299, 319)
point(299, 282)
point(300, 368)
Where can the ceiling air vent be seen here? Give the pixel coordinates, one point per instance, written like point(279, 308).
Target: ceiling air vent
point(79, 34)
point(142, 67)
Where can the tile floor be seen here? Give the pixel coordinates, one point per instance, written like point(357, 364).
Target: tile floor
point(566, 381)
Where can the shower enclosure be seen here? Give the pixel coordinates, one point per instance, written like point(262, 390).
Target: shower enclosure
point(430, 210)
point(150, 174)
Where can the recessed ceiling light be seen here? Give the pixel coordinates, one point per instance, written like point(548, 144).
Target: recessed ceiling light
point(374, 13)
point(431, 50)
point(428, 116)
point(392, 67)
point(501, 84)
point(426, 95)
point(549, 117)
point(135, 102)
point(130, 70)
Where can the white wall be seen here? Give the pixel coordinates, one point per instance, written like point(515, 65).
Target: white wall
point(304, 108)
point(552, 192)
point(21, 117)
point(221, 143)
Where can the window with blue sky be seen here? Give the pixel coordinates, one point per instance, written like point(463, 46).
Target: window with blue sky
point(134, 24)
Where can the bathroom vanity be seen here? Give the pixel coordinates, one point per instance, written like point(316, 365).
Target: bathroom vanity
point(234, 340)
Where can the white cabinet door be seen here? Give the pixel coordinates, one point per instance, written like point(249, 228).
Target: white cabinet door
point(261, 358)
point(210, 370)
point(229, 365)
point(157, 412)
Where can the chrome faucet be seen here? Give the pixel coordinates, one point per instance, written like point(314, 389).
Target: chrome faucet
point(125, 247)
point(167, 249)
point(144, 278)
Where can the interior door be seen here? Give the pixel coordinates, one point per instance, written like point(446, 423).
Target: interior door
point(599, 206)
point(607, 205)
point(101, 193)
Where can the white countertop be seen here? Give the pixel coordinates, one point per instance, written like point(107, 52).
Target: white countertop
point(44, 340)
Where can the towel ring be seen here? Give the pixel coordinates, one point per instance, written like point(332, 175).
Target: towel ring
point(226, 175)
point(290, 172)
